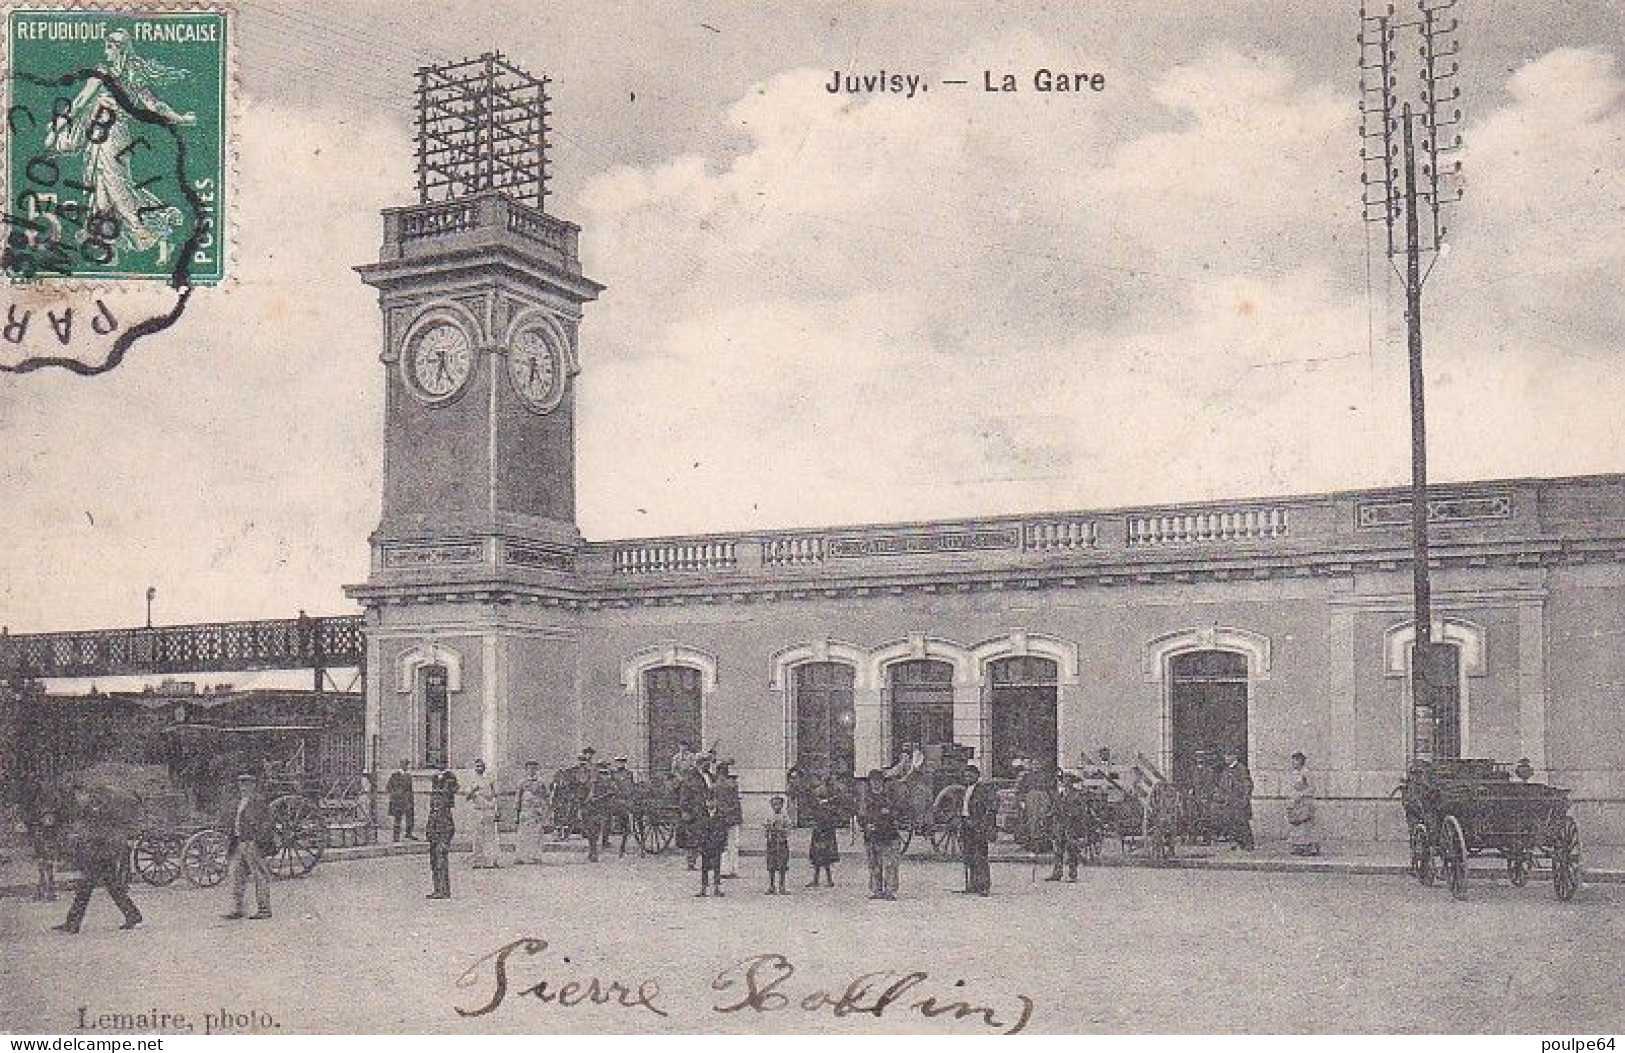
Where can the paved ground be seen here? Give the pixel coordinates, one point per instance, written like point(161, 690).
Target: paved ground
point(355, 947)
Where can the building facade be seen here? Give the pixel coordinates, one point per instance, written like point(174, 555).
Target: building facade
point(1256, 626)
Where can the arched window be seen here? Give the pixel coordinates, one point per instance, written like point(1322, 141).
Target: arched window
point(922, 703)
point(436, 716)
point(825, 718)
point(1207, 708)
point(672, 696)
point(1023, 700)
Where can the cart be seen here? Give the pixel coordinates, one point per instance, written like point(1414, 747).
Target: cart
point(655, 814)
point(1457, 809)
point(210, 756)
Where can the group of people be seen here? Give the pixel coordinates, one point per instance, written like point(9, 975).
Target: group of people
point(590, 797)
point(89, 826)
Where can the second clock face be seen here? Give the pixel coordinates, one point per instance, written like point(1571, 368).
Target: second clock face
point(536, 369)
point(439, 361)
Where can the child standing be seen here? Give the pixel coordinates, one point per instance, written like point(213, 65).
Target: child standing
point(713, 838)
point(823, 853)
point(778, 847)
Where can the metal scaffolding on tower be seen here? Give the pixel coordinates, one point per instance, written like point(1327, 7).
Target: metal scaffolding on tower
point(482, 127)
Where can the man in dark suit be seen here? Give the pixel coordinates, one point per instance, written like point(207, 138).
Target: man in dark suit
point(252, 838)
point(439, 830)
point(402, 806)
point(97, 843)
point(978, 819)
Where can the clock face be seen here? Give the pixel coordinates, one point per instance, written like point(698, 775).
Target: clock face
point(439, 361)
point(536, 369)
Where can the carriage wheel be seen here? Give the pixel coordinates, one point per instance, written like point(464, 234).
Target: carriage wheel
point(945, 840)
point(301, 836)
point(204, 858)
point(1566, 859)
point(1518, 869)
point(156, 858)
point(1453, 850)
point(662, 832)
point(1421, 854)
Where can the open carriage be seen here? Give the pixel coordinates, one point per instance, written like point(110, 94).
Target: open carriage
point(182, 833)
point(655, 814)
point(1140, 808)
point(932, 796)
point(1457, 809)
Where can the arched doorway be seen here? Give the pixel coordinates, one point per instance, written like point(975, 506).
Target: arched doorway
point(922, 703)
point(1023, 699)
point(1207, 706)
point(672, 695)
point(825, 718)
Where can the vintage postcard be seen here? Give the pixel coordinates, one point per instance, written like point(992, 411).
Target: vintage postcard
point(838, 518)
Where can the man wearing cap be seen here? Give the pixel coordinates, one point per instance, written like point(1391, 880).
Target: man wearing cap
point(1069, 825)
point(882, 835)
point(531, 800)
point(482, 795)
point(624, 784)
point(440, 829)
point(978, 816)
point(597, 805)
point(253, 837)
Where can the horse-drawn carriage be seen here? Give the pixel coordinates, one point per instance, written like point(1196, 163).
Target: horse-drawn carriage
point(932, 794)
point(1457, 809)
point(181, 832)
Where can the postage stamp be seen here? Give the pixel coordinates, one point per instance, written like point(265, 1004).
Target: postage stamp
point(116, 145)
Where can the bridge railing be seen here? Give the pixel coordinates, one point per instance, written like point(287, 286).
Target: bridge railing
point(243, 646)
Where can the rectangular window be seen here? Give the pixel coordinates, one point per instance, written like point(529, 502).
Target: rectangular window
point(436, 718)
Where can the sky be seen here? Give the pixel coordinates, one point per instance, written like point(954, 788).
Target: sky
point(858, 308)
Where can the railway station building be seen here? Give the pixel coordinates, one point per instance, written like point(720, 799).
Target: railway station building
point(494, 629)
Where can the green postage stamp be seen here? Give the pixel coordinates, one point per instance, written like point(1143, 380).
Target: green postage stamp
point(116, 144)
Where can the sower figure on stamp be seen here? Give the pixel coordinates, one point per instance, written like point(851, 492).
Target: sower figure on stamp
point(253, 837)
point(482, 795)
point(978, 818)
point(97, 840)
point(1069, 825)
point(439, 830)
point(402, 805)
point(533, 803)
point(98, 127)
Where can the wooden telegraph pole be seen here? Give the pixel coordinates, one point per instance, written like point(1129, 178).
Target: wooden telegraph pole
point(1398, 95)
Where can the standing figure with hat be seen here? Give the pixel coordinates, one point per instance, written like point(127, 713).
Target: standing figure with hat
point(596, 807)
point(253, 837)
point(440, 829)
point(692, 793)
point(402, 805)
point(882, 835)
point(822, 851)
point(97, 840)
point(978, 819)
point(712, 835)
point(532, 800)
point(482, 795)
point(1069, 824)
point(623, 784)
point(1233, 801)
point(733, 813)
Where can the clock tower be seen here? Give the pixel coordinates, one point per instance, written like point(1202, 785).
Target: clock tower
point(471, 600)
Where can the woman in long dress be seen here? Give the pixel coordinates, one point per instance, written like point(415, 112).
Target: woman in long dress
point(1302, 834)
